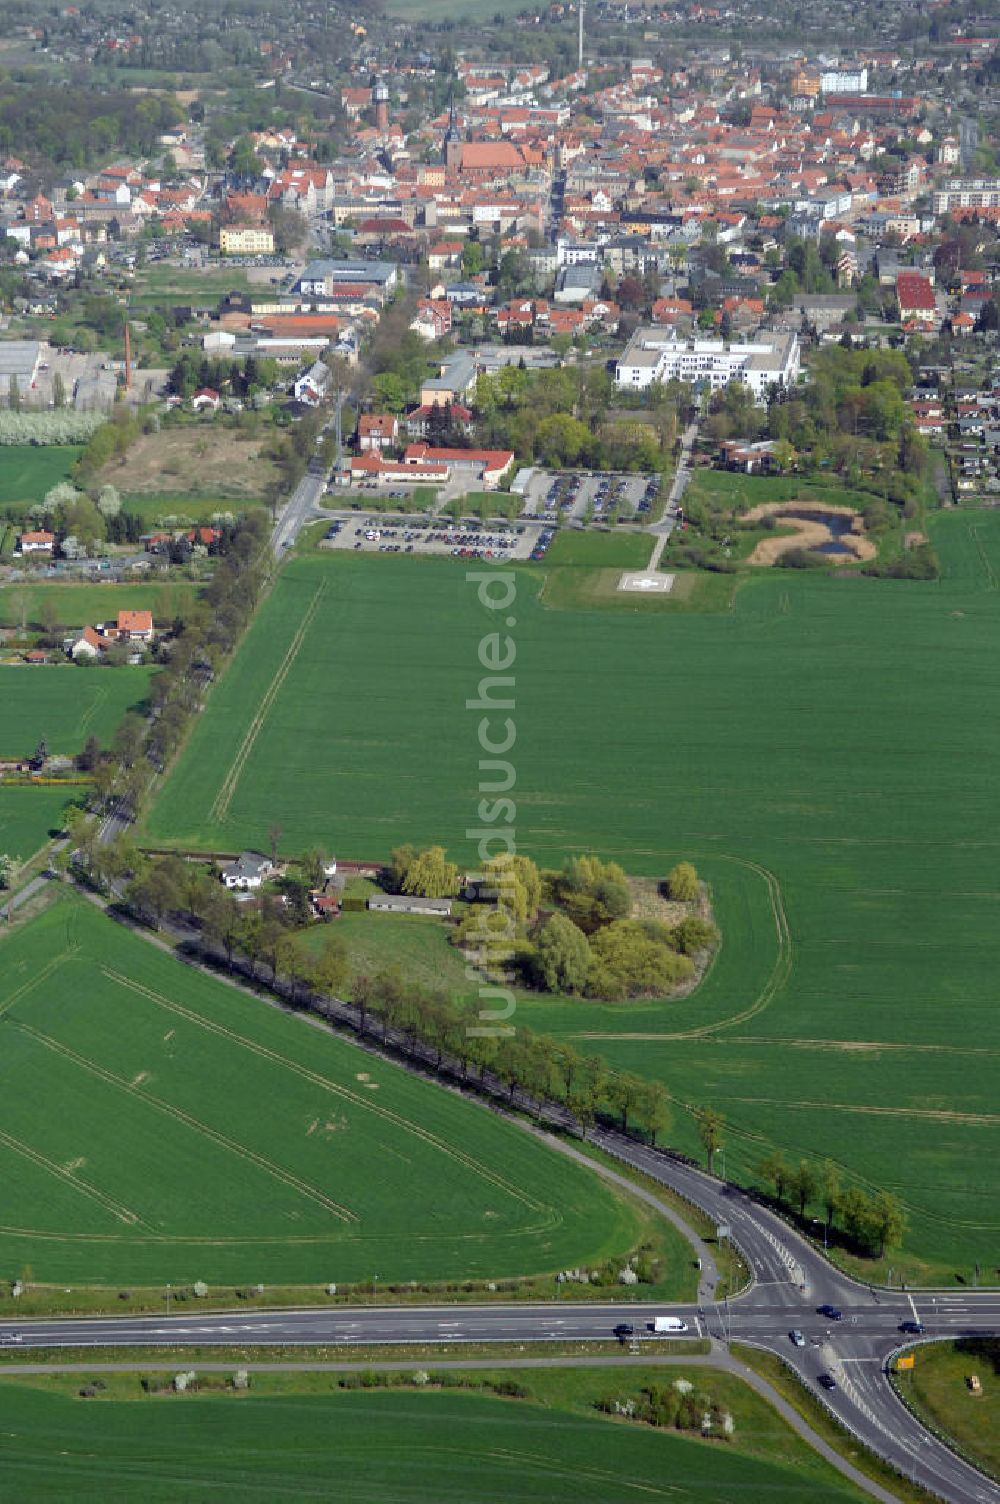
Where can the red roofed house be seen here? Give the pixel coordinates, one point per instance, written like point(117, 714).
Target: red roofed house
point(135, 626)
point(377, 431)
point(206, 398)
point(37, 543)
point(915, 296)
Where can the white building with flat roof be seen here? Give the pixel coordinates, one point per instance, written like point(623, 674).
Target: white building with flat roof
point(656, 354)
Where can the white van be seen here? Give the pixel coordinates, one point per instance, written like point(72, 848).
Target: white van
point(665, 1324)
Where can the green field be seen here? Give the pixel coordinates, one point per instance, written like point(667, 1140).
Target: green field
point(76, 605)
point(838, 734)
point(27, 471)
point(201, 1134)
point(287, 1438)
point(65, 704)
point(938, 1390)
point(27, 815)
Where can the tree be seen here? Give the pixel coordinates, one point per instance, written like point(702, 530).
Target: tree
point(431, 875)
point(625, 1092)
point(516, 883)
point(829, 1190)
point(711, 1126)
point(109, 502)
point(274, 834)
point(656, 1111)
point(8, 868)
point(803, 1184)
point(774, 1169)
point(562, 956)
point(14, 395)
point(682, 883)
point(888, 1222)
point(58, 391)
point(331, 967)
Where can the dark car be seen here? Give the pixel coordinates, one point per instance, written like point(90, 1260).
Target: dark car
point(624, 1329)
point(916, 1327)
point(832, 1313)
point(827, 1381)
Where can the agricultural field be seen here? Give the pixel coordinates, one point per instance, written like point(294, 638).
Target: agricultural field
point(27, 471)
point(27, 815)
point(201, 459)
point(64, 704)
point(292, 1434)
point(828, 742)
point(74, 606)
point(258, 1149)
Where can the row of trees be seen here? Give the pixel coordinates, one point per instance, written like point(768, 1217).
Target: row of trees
point(874, 1223)
point(203, 634)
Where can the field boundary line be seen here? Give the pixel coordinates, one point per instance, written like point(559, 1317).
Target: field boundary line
point(220, 804)
point(36, 1157)
point(355, 1098)
point(287, 1177)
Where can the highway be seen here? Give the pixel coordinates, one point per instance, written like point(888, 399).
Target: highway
point(790, 1280)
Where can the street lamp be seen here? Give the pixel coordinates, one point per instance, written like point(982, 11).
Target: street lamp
point(374, 1289)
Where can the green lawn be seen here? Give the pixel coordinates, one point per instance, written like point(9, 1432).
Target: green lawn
point(27, 471)
point(287, 1438)
point(201, 1134)
point(936, 1387)
point(600, 550)
point(418, 945)
point(839, 734)
point(76, 605)
point(65, 704)
point(27, 815)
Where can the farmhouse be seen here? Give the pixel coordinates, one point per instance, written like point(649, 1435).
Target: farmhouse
point(37, 543)
point(247, 872)
point(401, 903)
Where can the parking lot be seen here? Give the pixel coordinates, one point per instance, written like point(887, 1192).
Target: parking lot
point(583, 496)
point(495, 542)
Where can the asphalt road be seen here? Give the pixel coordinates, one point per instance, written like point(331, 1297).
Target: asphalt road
point(790, 1280)
point(300, 506)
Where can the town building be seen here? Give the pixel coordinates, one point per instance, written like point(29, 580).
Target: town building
point(659, 355)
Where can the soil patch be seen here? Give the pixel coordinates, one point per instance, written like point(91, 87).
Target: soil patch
point(206, 460)
point(816, 527)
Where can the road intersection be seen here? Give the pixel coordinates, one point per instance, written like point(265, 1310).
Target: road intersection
point(790, 1281)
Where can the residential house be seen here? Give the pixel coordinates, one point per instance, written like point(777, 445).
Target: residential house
point(377, 431)
point(37, 543)
point(248, 872)
point(313, 386)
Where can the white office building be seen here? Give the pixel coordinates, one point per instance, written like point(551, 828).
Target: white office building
point(658, 355)
point(844, 81)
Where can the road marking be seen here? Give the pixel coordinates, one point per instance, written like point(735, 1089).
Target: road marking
point(912, 1306)
point(697, 1322)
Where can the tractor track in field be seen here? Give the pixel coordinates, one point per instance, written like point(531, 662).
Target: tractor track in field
point(259, 1161)
point(452, 1151)
point(220, 804)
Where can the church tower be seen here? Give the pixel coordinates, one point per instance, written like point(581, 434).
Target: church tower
point(452, 144)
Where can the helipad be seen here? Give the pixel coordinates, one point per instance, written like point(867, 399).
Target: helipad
point(647, 584)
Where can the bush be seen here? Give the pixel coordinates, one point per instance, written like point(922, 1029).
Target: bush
point(682, 882)
point(801, 558)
